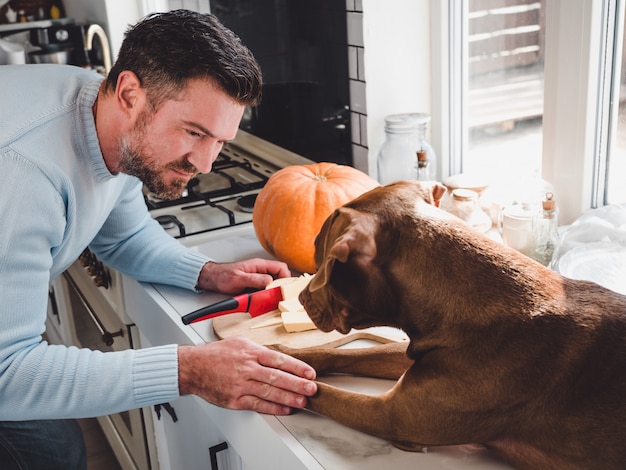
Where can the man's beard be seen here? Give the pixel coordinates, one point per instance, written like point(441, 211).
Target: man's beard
point(135, 160)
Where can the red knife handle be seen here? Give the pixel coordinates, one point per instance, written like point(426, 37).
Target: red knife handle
point(235, 304)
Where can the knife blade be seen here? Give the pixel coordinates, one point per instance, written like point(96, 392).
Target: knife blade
point(255, 303)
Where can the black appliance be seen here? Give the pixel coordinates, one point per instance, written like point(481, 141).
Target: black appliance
point(302, 48)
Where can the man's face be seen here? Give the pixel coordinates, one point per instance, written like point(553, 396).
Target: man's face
point(166, 148)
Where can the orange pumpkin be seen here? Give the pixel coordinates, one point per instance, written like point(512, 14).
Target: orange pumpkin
point(290, 210)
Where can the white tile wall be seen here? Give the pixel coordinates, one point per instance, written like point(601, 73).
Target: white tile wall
point(353, 66)
point(355, 28)
point(361, 63)
point(360, 156)
point(357, 97)
point(358, 104)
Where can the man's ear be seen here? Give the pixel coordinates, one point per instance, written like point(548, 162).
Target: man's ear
point(129, 94)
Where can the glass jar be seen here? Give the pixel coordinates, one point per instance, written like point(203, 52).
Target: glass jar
point(476, 183)
point(405, 136)
point(516, 227)
point(465, 206)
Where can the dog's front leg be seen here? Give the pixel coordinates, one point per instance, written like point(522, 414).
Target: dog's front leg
point(374, 415)
point(386, 361)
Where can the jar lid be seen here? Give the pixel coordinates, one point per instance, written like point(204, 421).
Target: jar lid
point(405, 122)
point(462, 194)
point(520, 211)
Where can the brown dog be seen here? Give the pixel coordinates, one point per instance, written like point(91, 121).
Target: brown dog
point(503, 351)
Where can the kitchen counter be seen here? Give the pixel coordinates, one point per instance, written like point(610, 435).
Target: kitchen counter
point(303, 440)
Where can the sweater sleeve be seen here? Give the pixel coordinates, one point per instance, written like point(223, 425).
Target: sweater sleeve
point(38, 380)
point(135, 244)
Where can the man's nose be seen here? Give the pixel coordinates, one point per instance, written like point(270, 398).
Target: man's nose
point(204, 156)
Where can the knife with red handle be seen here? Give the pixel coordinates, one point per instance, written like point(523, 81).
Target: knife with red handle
point(255, 303)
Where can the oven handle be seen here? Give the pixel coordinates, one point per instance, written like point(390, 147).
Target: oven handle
point(107, 337)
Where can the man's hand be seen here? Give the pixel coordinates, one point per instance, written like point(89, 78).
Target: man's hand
point(239, 374)
point(232, 278)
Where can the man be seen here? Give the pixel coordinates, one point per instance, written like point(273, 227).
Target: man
point(74, 152)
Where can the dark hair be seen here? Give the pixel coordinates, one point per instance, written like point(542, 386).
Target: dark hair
point(165, 50)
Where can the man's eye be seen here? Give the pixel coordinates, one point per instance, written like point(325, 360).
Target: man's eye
point(194, 133)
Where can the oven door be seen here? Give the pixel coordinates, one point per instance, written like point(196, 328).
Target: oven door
point(94, 325)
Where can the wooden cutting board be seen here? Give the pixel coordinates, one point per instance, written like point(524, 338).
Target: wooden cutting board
point(240, 324)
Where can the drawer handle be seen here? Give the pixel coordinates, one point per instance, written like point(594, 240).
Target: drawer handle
point(213, 453)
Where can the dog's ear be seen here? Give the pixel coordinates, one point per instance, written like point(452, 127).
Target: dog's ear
point(339, 251)
point(356, 239)
point(437, 190)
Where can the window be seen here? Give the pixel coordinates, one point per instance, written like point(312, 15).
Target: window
point(576, 140)
point(504, 99)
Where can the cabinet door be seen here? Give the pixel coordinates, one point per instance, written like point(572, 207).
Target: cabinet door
point(187, 438)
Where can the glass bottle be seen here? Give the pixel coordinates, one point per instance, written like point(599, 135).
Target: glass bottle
point(423, 166)
point(546, 231)
point(405, 135)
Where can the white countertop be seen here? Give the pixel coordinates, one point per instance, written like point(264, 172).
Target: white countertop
point(302, 440)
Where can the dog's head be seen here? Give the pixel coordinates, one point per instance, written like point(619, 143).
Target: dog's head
point(359, 258)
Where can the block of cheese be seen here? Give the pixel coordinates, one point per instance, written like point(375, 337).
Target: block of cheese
point(293, 315)
point(290, 305)
point(297, 321)
point(291, 290)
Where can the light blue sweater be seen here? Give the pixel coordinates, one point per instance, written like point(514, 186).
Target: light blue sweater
point(56, 198)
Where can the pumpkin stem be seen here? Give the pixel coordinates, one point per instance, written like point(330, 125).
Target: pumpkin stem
point(319, 177)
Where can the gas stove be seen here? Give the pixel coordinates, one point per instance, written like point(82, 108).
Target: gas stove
point(220, 199)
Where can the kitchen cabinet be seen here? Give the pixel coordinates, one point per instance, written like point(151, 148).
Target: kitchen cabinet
point(186, 437)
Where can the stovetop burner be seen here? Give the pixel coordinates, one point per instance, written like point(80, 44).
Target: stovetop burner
point(223, 198)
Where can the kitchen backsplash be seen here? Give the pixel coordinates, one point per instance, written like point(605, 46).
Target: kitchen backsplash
point(356, 70)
